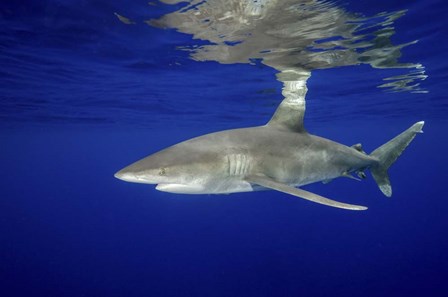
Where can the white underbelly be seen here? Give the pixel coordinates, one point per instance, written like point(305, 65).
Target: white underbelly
point(218, 186)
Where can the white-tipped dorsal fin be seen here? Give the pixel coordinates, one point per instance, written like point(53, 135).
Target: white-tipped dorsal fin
point(289, 116)
point(272, 184)
point(291, 111)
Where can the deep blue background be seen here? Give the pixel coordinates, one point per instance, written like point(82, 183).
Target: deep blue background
point(83, 95)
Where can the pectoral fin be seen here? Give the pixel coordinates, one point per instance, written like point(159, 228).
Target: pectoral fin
point(272, 184)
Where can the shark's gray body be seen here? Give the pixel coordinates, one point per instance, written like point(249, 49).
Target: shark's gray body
point(280, 156)
point(218, 162)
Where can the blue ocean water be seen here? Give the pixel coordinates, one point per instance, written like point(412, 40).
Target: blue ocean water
point(84, 93)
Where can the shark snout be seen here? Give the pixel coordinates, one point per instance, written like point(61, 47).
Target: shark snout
point(129, 174)
point(126, 176)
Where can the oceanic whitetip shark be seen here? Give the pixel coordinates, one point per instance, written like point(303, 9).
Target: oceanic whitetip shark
point(280, 155)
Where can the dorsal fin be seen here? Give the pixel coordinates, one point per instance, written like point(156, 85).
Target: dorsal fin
point(289, 115)
point(291, 111)
point(357, 147)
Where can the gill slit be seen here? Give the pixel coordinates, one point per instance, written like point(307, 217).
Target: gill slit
point(237, 164)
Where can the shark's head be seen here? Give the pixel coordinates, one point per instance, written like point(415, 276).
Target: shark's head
point(181, 165)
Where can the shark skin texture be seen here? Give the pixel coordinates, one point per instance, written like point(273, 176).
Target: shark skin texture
point(280, 156)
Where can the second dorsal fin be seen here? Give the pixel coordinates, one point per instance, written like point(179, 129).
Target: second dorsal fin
point(358, 147)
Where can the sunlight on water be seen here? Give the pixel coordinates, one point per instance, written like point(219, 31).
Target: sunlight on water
point(294, 37)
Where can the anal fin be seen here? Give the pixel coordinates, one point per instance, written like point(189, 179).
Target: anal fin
point(348, 175)
point(267, 182)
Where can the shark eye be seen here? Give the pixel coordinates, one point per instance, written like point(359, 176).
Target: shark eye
point(162, 171)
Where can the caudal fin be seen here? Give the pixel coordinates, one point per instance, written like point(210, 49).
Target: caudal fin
point(388, 153)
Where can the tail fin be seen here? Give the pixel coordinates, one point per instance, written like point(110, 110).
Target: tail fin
point(388, 153)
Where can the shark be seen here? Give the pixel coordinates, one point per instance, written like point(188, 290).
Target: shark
point(280, 155)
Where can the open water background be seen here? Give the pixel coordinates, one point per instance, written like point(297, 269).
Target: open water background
point(82, 95)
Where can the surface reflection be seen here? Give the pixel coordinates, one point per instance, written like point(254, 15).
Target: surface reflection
point(294, 37)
